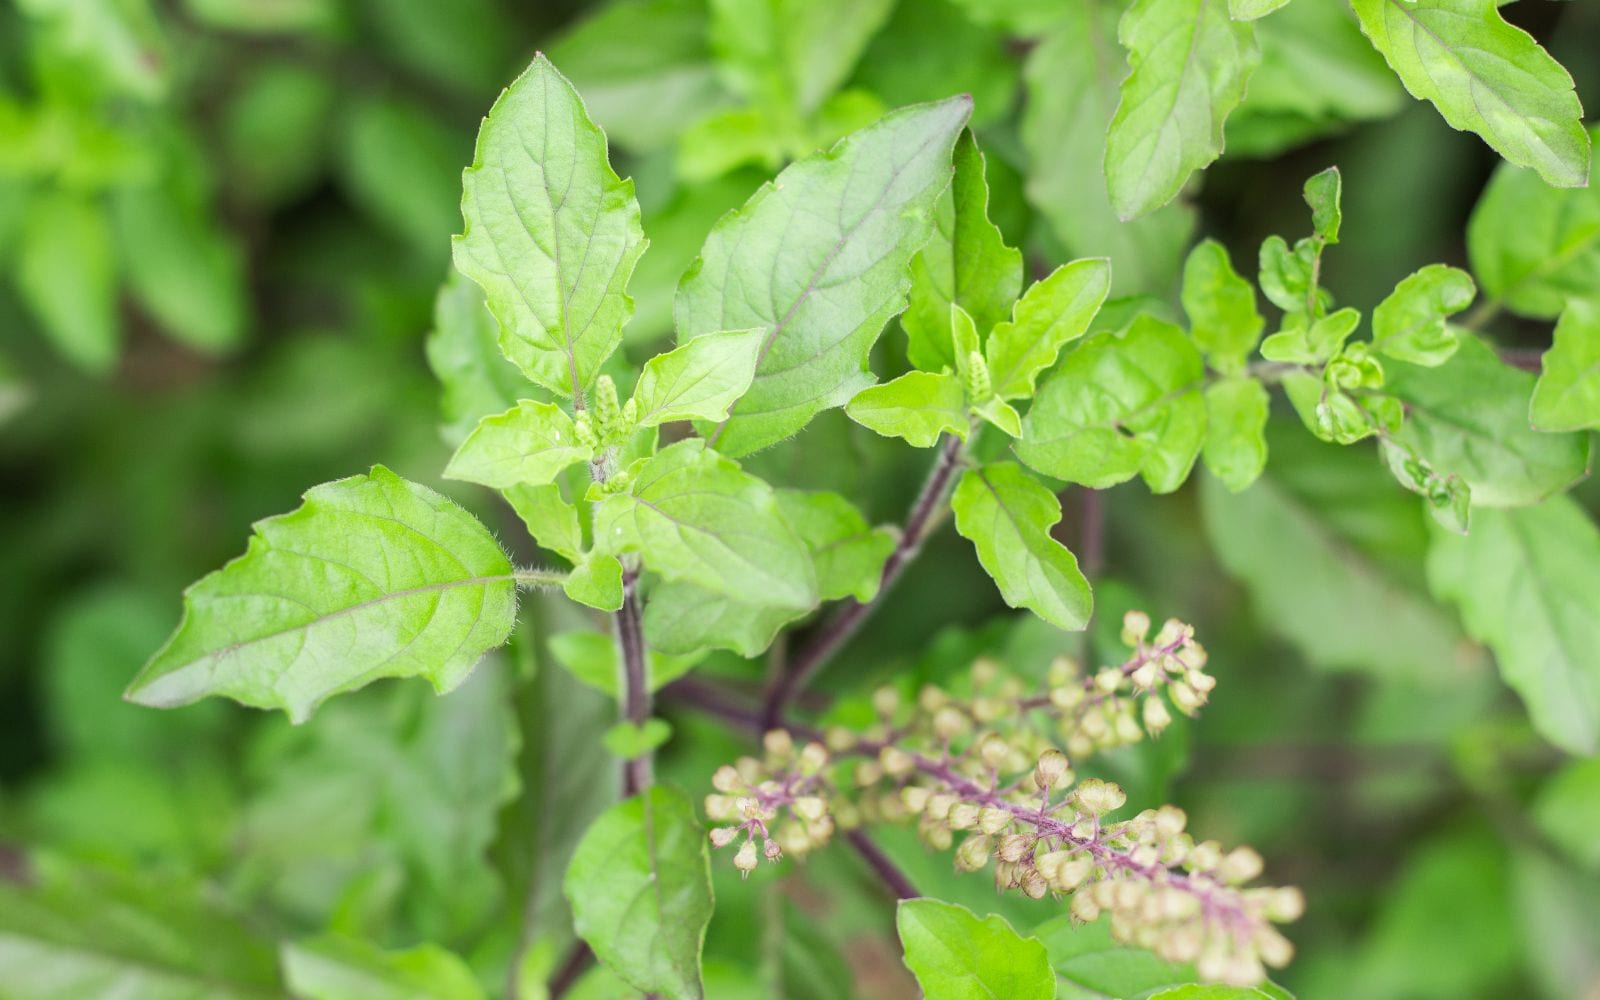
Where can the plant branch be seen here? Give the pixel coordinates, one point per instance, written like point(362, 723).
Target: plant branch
point(844, 624)
point(576, 960)
point(635, 686)
point(893, 878)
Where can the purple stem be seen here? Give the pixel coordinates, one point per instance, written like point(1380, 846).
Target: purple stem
point(893, 878)
point(636, 772)
point(849, 618)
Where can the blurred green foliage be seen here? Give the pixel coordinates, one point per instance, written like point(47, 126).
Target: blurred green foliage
point(222, 225)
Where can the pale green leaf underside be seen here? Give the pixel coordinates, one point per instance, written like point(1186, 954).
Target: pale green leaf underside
point(1410, 324)
point(640, 888)
point(528, 445)
point(917, 406)
point(1484, 76)
point(552, 234)
point(1189, 63)
point(847, 552)
point(1469, 417)
point(699, 380)
point(1528, 584)
point(371, 577)
point(955, 955)
point(1223, 317)
point(1533, 246)
point(1567, 395)
point(1007, 515)
point(695, 516)
point(817, 259)
point(1123, 403)
point(682, 618)
point(1055, 311)
point(1236, 421)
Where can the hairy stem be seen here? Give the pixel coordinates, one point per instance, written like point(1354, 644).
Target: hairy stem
point(844, 624)
point(893, 878)
point(635, 686)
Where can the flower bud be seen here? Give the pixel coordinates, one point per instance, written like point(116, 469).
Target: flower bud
point(1067, 696)
point(810, 807)
point(1241, 865)
point(771, 851)
point(1186, 698)
point(988, 710)
point(1205, 857)
point(1126, 729)
point(1108, 679)
point(1034, 885)
point(949, 722)
point(1135, 626)
point(915, 798)
point(721, 808)
point(778, 743)
point(813, 758)
point(746, 860)
point(1145, 676)
point(1085, 908)
point(1170, 821)
point(1285, 904)
point(973, 853)
point(993, 819)
point(938, 837)
point(1015, 847)
point(930, 699)
point(1079, 744)
point(1063, 670)
point(869, 772)
point(1051, 770)
point(1171, 631)
point(1072, 873)
point(839, 739)
point(722, 836)
point(940, 804)
point(1274, 948)
point(1201, 682)
point(885, 701)
point(896, 762)
point(1192, 655)
point(726, 779)
point(1096, 797)
point(963, 816)
point(1156, 716)
point(1005, 875)
point(993, 750)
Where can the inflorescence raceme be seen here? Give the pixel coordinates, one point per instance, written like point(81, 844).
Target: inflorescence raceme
point(995, 769)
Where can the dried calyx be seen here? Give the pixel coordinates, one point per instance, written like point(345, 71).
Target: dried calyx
point(994, 768)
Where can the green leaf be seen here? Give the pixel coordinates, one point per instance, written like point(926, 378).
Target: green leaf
point(339, 968)
point(1558, 920)
point(1305, 341)
point(1484, 76)
point(1410, 323)
point(1055, 311)
point(957, 956)
point(640, 889)
point(1189, 64)
point(1287, 276)
point(699, 380)
point(789, 56)
point(371, 577)
point(917, 406)
point(528, 445)
point(591, 657)
point(1533, 246)
point(1528, 584)
point(400, 162)
point(1323, 193)
point(1212, 991)
point(1249, 10)
point(551, 521)
point(1001, 414)
point(1322, 541)
point(1567, 395)
point(1236, 423)
point(595, 580)
point(1089, 963)
point(465, 357)
point(1221, 306)
point(817, 259)
point(1567, 811)
point(183, 268)
point(966, 262)
point(552, 234)
point(1007, 515)
point(642, 95)
point(847, 552)
point(1124, 402)
point(695, 516)
point(683, 619)
point(1071, 92)
point(73, 933)
point(1469, 417)
point(66, 274)
point(627, 740)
